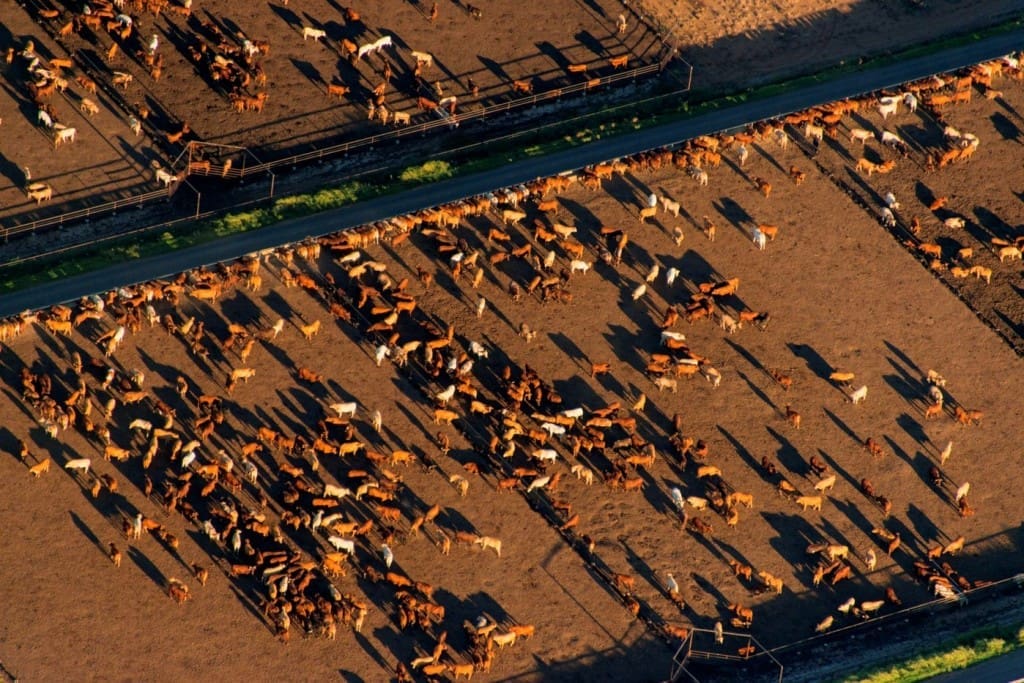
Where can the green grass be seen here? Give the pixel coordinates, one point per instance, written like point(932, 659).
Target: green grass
point(531, 144)
point(971, 649)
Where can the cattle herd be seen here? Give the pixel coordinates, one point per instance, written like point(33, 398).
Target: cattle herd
point(311, 509)
point(177, 72)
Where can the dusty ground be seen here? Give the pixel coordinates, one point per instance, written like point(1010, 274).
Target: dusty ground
point(106, 160)
point(299, 116)
point(842, 294)
point(736, 44)
point(730, 46)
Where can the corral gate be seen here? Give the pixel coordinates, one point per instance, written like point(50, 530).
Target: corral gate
point(700, 645)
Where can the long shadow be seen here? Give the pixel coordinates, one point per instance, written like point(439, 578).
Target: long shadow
point(146, 565)
point(831, 462)
point(1006, 128)
point(815, 363)
point(747, 355)
point(898, 450)
point(289, 17)
point(623, 344)
point(414, 420)
point(757, 391)
point(906, 389)
point(924, 526)
point(852, 512)
point(731, 211)
point(87, 532)
point(845, 428)
point(904, 358)
point(793, 533)
point(913, 428)
point(787, 454)
point(740, 449)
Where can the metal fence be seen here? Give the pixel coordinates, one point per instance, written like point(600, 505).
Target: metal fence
point(690, 651)
point(134, 201)
point(420, 128)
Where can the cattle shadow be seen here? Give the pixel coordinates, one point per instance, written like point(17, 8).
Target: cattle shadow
point(903, 357)
point(310, 72)
point(87, 532)
point(924, 526)
point(288, 16)
point(1006, 128)
point(495, 68)
point(413, 419)
point(907, 391)
point(167, 373)
point(993, 224)
point(853, 513)
point(735, 214)
point(577, 391)
point(898, 450)
point(793, 534)
point(708, 587)
point(923, 193)
point(640, 566)
point(740, 449)
point(623, 345)
point(815, 363)
point(787, 454)
point(845, 428)
point(841, 471)
point(757, 391)
point(147, 566)
point(746, 355)
point(730, 550)
point(913, 428)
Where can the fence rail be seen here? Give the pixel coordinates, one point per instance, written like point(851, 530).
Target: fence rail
point(420, 128)
point(245, 170)
point(88, 212)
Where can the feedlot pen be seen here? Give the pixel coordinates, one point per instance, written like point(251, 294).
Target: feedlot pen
point(580, 561)
point(476, 61)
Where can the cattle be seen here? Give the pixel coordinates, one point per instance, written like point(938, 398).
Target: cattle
point(812, 502)
point(443, 416)
point(792, 417)
point(310, 330)
point(40, 192)
point(40, 468)
point(486, 542)
point(337, 90)
point(860, 135)
point(87, 106)
point(314, 33)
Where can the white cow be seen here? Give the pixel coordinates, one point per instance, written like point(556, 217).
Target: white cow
point(760, 239)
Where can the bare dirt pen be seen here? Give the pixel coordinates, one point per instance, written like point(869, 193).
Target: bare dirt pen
point(106, 160)
point(473, 60)
point(841, 292)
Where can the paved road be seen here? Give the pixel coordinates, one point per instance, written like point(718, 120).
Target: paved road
point(512, 174)
point(1006, 669)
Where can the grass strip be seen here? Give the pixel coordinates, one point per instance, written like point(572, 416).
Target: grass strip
point(548, 140)
point(970, 649)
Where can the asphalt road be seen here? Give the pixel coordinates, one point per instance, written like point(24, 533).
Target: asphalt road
point(512, 174)
point(1006, 669)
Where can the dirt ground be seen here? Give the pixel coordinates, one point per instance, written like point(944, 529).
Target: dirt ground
point(842, 294)
point(730, 46)
point(106, 160)
point(299, 116)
